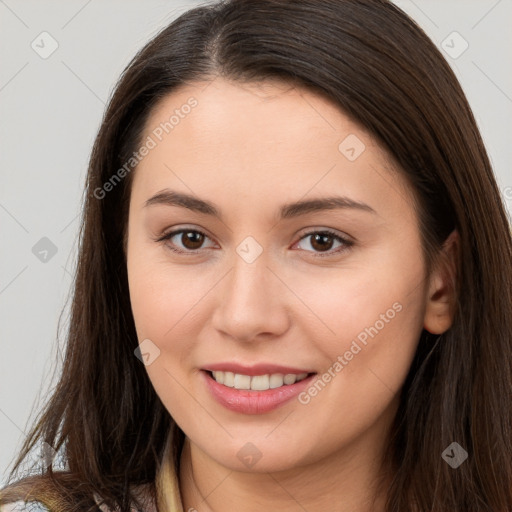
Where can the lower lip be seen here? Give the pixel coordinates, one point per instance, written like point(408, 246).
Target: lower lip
point(254, 402)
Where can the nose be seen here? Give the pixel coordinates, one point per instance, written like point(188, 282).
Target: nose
point(251, 302)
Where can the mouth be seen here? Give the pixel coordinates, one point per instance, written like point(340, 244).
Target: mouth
point(254, 394)
point(256, 382)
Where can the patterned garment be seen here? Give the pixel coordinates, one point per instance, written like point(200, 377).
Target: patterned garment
point(24, 506)
point(36, 506)
point(167, 487)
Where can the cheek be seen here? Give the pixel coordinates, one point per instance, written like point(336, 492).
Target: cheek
point(165, 306)
point(372, 318)
point(165, 298)
point(378, 296)
point(366, 361)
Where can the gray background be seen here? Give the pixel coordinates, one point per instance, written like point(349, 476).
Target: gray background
point(50, 110)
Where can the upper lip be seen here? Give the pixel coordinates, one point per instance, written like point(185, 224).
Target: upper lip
point(256, 369)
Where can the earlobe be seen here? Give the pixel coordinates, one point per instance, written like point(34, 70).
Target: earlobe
point(442, 293)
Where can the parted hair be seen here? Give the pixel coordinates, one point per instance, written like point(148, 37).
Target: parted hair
point(379, 67)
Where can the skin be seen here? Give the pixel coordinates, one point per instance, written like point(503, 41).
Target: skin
point(249, 149)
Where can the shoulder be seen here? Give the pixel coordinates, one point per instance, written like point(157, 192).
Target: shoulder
point(24, 506)
point(141, 492)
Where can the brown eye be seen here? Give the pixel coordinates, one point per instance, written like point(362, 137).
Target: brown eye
point(323, 241)
point(192, 239)
point(184, 240)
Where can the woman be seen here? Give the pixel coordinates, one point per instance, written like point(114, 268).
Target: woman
point(294, 283)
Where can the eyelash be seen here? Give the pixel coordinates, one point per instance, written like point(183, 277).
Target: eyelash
point(347, 243)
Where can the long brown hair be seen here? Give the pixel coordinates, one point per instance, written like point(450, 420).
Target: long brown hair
point(380, 68)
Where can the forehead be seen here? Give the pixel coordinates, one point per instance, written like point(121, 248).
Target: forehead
point(255, 139)
point(261, 110)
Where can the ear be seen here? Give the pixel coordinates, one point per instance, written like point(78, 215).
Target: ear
point(441, 298)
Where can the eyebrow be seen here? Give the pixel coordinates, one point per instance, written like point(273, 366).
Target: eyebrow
point(287, 211)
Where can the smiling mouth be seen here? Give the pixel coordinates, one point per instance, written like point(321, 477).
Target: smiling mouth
point(256, 382)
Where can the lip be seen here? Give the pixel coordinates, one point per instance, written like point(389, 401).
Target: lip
point(257, 369)
point(254, 402)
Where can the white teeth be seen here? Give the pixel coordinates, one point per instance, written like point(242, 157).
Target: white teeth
point(257, 382)
point(276, 380)
point(260, 382)
point(219, 377)
point(289, 378)
point(242, 381)
point(229, 379)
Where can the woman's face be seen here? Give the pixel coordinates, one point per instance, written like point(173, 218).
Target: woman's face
point(254, 286)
